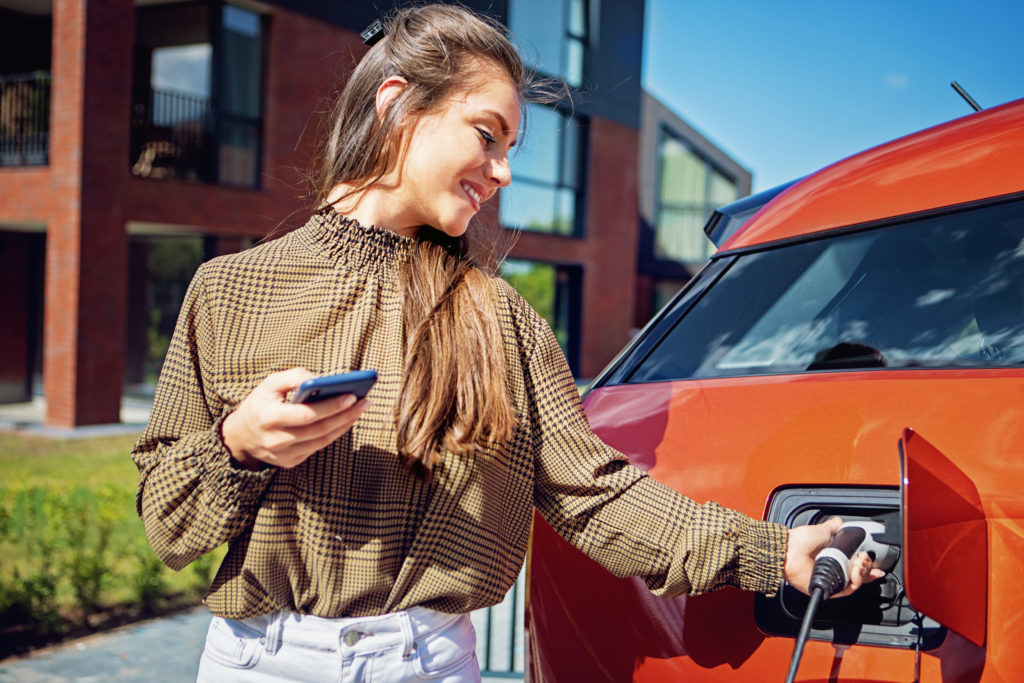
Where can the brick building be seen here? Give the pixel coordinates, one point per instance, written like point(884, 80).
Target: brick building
point(138, 138)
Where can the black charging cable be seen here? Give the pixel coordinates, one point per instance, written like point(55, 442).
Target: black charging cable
point(827, 578)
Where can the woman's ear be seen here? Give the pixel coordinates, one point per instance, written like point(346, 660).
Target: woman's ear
point(389, 89)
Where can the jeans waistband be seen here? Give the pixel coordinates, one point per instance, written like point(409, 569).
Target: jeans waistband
point(357, 634)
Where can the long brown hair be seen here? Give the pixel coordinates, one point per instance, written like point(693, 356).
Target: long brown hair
point(455, 391)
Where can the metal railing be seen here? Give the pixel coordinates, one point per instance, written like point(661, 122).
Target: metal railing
point(25, 119)
point(170, 136)
point(500, 639)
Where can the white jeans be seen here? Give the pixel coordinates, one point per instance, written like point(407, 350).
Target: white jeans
point(419, 644)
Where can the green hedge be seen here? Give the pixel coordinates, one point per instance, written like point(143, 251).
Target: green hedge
point(74, 556)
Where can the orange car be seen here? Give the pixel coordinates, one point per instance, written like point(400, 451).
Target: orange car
point(855, 347)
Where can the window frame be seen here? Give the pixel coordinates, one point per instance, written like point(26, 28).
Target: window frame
point(581, 39)
point(221, 115)
point(580, 163)
point(206, 168)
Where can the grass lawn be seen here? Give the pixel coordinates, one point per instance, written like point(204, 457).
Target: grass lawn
point(36, 460)
point(73, 554)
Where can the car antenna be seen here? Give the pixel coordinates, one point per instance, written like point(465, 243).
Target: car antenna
point(963, 94)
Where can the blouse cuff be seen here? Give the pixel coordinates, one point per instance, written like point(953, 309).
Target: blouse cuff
point(230, 484)
point(762, 554)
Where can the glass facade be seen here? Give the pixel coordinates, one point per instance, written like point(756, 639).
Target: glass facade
point(162, 272)
point(552, 36)
point(546, 177)
point(182, 68)
point(688, 190)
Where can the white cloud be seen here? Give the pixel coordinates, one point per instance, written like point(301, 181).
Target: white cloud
point(933, 297)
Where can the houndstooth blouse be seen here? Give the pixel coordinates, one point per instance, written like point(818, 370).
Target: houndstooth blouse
point(350, 532)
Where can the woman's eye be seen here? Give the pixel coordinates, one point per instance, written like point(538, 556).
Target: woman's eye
point(488, 138)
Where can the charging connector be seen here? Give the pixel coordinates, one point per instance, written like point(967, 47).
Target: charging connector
point(831, 572)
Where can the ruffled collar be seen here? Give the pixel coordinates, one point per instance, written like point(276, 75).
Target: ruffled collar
point(345, 240)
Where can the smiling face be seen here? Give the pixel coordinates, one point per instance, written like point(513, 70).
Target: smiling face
point(454, 158)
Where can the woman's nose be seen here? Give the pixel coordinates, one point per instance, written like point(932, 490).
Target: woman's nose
point(500, 173)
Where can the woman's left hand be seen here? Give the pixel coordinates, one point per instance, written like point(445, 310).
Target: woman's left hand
point(805, 542)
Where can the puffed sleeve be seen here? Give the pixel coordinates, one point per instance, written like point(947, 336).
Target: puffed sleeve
point(192, 497)
point(622, 518)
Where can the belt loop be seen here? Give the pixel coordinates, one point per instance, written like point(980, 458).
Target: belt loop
point(408, 639)
point(275, 632)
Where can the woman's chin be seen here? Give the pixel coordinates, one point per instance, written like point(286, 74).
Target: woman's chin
point(455, 229)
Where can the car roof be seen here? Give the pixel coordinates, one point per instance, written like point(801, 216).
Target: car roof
point(975, 157)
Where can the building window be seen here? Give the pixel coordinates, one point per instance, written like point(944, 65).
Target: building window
point(197, 111)
point(25, 119)
point(553, 36)
point(688, 190)
point(546, 177)
point(554, 292)
point(239, 123)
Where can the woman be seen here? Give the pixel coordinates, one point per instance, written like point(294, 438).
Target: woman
point(361, 533)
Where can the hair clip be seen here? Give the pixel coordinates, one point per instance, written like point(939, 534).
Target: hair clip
point(373, 33)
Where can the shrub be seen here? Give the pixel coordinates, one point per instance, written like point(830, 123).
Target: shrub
point(148, 579)
point(73, 553)
point(28, 588)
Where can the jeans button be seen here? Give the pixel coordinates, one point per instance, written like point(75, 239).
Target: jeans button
point(352, 637)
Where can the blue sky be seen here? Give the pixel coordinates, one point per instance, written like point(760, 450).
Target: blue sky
point(789, 86)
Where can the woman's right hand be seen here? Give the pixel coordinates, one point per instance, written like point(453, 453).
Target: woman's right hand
point(264, 428)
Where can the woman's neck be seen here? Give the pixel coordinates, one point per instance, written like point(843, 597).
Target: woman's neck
point(372, 206)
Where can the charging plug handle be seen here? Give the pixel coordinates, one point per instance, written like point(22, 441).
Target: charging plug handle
point(829, 575)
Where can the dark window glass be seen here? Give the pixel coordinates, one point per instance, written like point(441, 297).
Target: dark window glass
point(161, 273)
point(240, 97)
point(662, 292)
point(938, 292)
point(243, 54)
point(197, 110)
point(171, 109)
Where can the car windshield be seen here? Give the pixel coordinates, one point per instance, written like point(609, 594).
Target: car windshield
point(944, 291)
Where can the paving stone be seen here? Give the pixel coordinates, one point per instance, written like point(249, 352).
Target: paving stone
point(164, 650)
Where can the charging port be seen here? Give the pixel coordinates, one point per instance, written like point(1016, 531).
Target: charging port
point(877, 614)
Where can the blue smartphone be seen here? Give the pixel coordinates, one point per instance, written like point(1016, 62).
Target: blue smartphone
point(319, 388)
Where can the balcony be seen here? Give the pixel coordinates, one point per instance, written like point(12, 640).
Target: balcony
point(181, 135)
point(25, 119)
point(171, 136)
